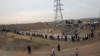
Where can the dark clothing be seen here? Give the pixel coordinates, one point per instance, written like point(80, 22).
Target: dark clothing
point(58, 47)
point(76, 36)
point(77, 55)
point(58, 38)
point(65, 38)
point(29, 49)
point(73, 40)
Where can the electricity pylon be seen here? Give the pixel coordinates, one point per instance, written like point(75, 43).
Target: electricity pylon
point(58, 16)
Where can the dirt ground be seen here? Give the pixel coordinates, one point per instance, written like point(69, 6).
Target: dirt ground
point(16, 45)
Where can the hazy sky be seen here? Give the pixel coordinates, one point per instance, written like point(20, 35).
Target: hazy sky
point(29, 11)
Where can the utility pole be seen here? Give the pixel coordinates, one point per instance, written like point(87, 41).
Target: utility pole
point(59, 22)
point(59, 16)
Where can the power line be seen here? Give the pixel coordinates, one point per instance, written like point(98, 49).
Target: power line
point(58, 15)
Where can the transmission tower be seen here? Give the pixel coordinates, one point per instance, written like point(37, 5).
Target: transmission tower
point(58, 15)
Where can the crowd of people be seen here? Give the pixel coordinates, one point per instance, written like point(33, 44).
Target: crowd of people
point(74, 38)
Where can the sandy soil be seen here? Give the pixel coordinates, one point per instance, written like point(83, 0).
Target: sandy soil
point(86, 50)
point(15, 45)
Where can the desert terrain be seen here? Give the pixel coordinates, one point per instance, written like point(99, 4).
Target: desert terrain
point(12, 44)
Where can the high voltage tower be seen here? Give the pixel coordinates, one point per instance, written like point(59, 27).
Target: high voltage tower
point(58, 15)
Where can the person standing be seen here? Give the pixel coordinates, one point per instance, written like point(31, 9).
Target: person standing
point(58, 37)
point(65, 38)
point(58, 47)
point(53, 51)
point(29, 49)
point(73, 39)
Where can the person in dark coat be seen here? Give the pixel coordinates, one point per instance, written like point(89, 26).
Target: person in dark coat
point(58, 37)
point(65, 38)
point(58, 47)
point(73, 40)
point(92, 34)
point(46, 36)
point(50, 37)
point(29, 49)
